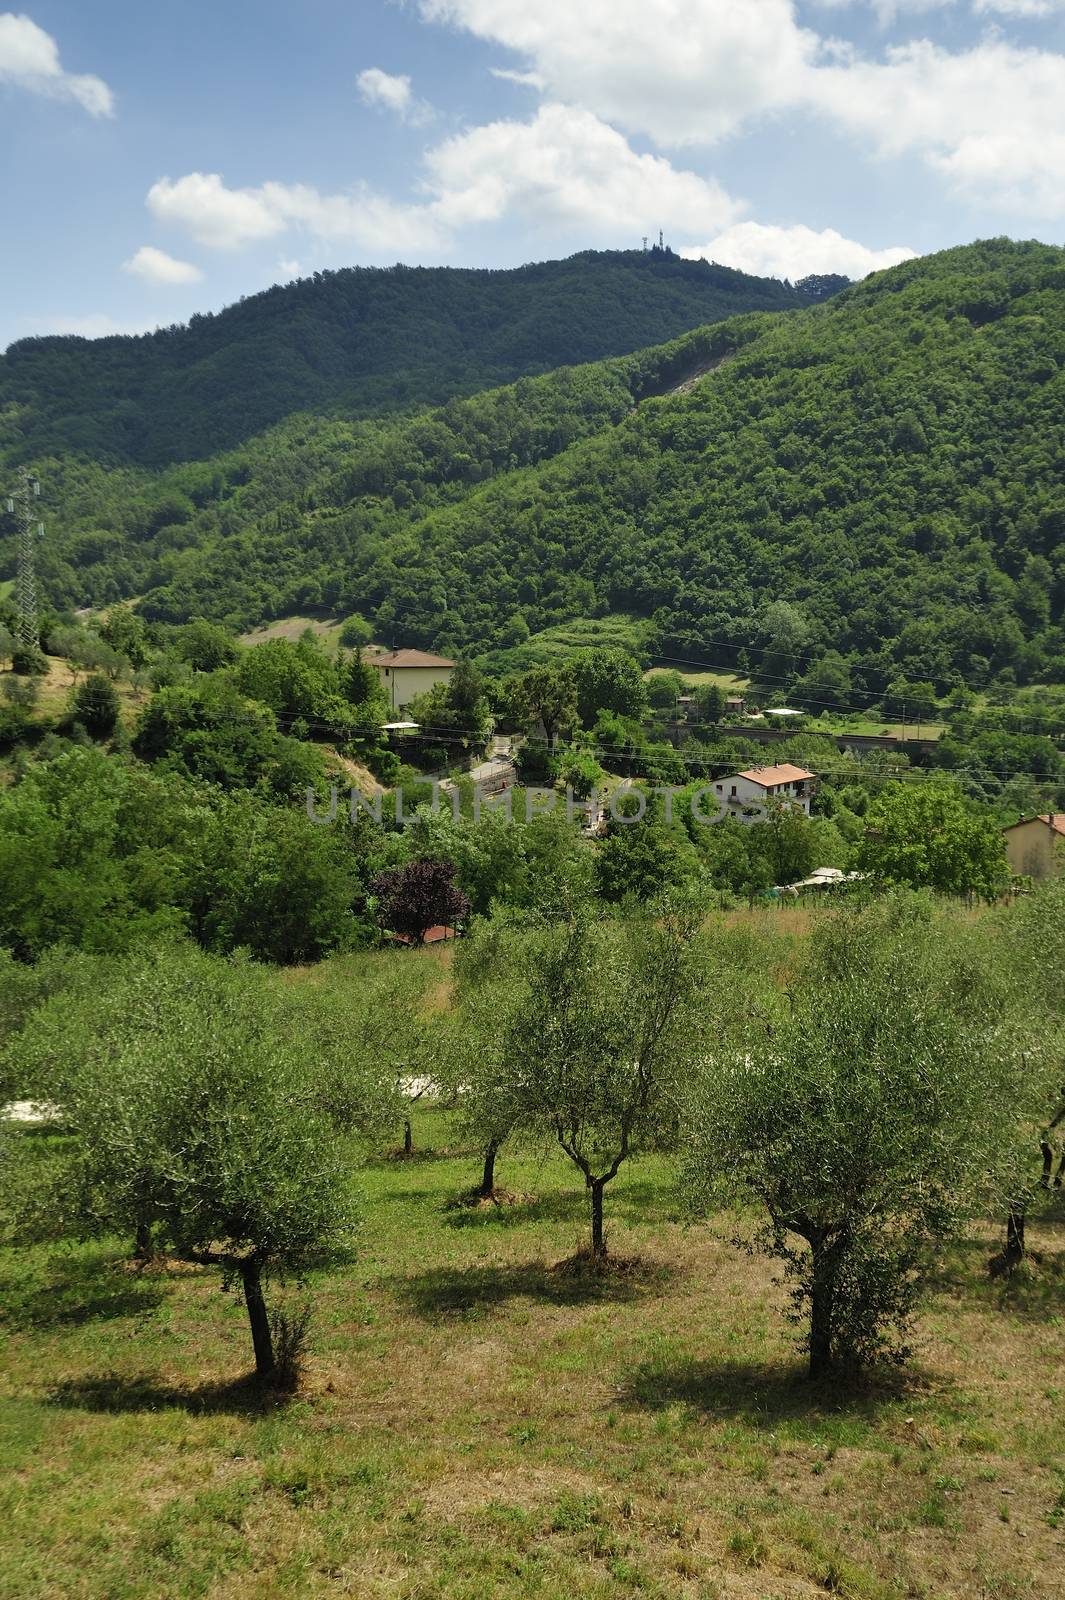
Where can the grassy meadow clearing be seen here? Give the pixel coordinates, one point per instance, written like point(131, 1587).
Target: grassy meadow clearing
point(477, 1419)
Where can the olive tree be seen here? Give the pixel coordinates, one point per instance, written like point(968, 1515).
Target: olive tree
point(1031, 943)
point(597, 1035)
point(487, 979)
point(865, 1117)
point(200, 1121)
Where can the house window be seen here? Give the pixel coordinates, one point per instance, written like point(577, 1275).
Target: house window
point(733, 789)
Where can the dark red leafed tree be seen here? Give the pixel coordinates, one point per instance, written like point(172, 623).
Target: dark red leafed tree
point(417, 897)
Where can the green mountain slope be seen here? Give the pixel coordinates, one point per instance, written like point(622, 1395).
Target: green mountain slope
point(867, 488)
point(283, 521)
point(882, 477)
point(363, 341)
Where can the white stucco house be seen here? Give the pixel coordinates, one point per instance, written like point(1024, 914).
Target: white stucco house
point(406, 673)
point(746, 793)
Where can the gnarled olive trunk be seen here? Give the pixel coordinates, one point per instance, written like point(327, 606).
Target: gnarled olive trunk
point(822, 1297)
point(596, 1187)
point(488, 1175)
point(261, 1337)
point(827, 1249)
point(1013, 1254)
point(408, 1137)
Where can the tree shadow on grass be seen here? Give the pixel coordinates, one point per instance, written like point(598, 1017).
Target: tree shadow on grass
point(1035, 1292)
point(118, 1393)
point(470, 1291)
point(636, 1203)
point(389, 1160)
point(80, 1291)
point(765, 1397)
point(527, 1210)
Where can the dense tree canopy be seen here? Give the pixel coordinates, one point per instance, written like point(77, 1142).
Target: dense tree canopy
point(363, 338)
point(873, 483)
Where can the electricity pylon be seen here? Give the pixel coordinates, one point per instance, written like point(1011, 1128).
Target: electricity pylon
point(29, 531)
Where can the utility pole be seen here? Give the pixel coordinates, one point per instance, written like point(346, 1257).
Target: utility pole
point(21, 506)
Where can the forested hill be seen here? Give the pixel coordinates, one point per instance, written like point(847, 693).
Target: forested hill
point(879, 480)
point(874, 487)
point(363, 340)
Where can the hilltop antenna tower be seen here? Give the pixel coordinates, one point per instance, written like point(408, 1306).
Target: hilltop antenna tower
point(21, 506)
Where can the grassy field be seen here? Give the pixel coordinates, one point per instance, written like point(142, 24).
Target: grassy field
point(476, 1422)
point(734, 684)
point(729, 681)
point(54, 690)
point(553, 645)
point(326, 630)
point(898, 730)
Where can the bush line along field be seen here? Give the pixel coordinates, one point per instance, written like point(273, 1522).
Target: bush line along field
point(195, 758)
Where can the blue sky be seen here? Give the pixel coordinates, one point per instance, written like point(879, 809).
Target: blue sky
point(161, 159)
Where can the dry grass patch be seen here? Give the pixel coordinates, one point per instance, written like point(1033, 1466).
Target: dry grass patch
point(325, 629)
point(54, 690)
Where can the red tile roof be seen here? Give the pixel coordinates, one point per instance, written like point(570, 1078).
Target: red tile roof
point(1054, 820)
point(771, 777)
point(409, 658)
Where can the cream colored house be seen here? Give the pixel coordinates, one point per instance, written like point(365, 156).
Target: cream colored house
point(748, 790)
point(1036, 846)
point(406, 673)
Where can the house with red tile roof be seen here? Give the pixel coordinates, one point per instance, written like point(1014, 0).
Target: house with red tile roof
point(406, 673)
point(746, 793)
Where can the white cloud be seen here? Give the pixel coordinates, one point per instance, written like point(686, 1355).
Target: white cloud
point(223, 219)
point(29, 58)
point(379, 88)
point(888, 11)
point(567, 166)
point(229, 219)
point(392, 92)
point(991, 117)
point(1018, 8)
point(683, 71)
point(155, 266)
point(773, 252)
point(527, 80)
point(563, 167)
point(363, 216)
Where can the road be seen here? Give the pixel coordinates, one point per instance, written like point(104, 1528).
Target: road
point(497, 764)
